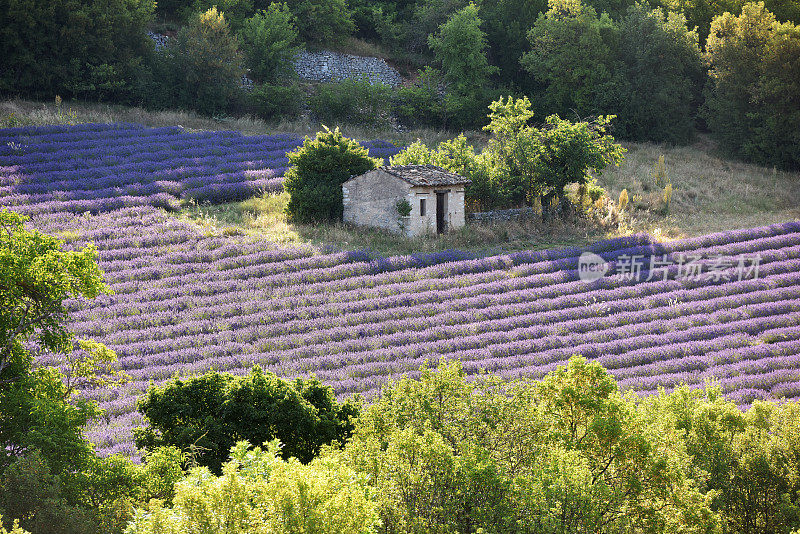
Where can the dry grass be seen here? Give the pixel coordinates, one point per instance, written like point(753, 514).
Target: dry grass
point(710, 193)
point(265, 217)
point(28, 113)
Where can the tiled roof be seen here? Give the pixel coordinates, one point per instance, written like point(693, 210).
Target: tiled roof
point(425, 175)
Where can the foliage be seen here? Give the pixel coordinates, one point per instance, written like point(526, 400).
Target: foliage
point(205, 415)
point(460, 47)
point(568, 454)
point(322, 21)
point(274, 101)
point(403, 207)
point(202, 67)
point(15, 528)
point(76, 48)
point(37, 276)
point(258, 493)
point(662, 75)
point(354, 101)
point(33, 494)
point(319, 168)
point(700, 13)
point(420, 104)
point(568, 153)
point(270, 43)
point(572, 59)
point(235, 11)
point(751, 101)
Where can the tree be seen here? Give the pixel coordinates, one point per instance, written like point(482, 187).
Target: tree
point(658, 94)
point(572, 59)
point(74, 48)
point(270, 42)
point(44, 459)
point(460, 47)
point(202, 67)
point(322, 21)
point(319, 168)
point(751, 98)
point(36, 276)
point(567, 153)
point(206, 415)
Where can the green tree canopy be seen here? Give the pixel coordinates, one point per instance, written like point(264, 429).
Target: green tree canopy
point(460, 47)
point(210, 413)
point(270, 42)
point(75, 48)
point(751, 99)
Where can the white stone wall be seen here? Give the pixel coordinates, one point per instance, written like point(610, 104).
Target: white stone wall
point(371, 200)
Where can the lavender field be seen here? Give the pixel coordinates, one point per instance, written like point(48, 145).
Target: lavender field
point(185, 302)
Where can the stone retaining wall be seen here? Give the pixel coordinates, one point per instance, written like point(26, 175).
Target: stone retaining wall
point(331, 66)
point(501, 215)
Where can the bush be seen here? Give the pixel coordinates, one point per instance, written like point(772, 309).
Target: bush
point(319, 168)
point(201, 69)
point(270, 43)
point(207, 414)
point(258, 492)
point(353, 101)
point(277, 101)
point(420, 104)
point(75, 48)
point(751, 98)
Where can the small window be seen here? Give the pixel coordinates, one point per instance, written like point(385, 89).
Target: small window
point(422, 207)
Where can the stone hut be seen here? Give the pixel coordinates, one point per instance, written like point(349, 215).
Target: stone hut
point(436, 197)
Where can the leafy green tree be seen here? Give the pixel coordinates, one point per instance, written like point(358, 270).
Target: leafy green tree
point(567, 153)
point(205, 415)
point(751, 99)
point(202, 67)
point(658, 94)
point(507, 23)
point(259, 493)
point(700, 13)
point(270, 42)
point(76, 48)
point(572, 60)
point(353, 101)
point(36, 276)
point(460, 47)
point(46, 465)
point(235, 11)
point(319, 168)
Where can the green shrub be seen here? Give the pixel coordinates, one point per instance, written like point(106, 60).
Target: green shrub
point(420, 104)
point(319, 168)
point(751, 98)
point(201, 69)
point(275, 101)
point(353, 101)
point(260, 493)
point(270, 42)
point(207, 414)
